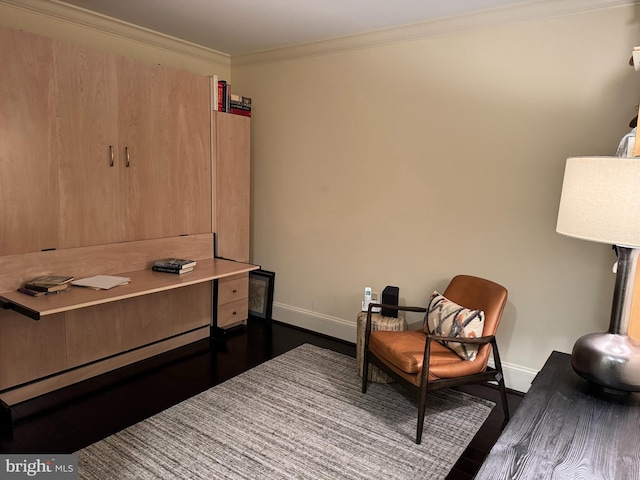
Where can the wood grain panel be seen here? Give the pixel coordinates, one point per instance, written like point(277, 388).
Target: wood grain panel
point(565, 428)
point(233, 313)
point(86, 116)
point(70, 377)
point(27, 147)
point(232, 158)
point(28, 349)
point(101, 331)
point(104, 259)
point(189, 187)
point(144, 136)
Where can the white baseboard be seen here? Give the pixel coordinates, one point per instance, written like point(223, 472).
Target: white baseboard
point(316, 322)
point(516, 377)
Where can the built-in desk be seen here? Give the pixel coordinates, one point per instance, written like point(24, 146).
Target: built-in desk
point(566, 429)
point(84, 332)
point(143, 282)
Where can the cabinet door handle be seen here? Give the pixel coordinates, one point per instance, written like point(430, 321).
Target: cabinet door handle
point(111, 157)
point(235, 313)
point(234, 291)
point(128, 157)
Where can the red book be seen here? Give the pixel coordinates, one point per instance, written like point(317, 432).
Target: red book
point(240, 111)
point(221, 92)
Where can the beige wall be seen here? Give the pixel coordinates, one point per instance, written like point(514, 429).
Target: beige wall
point(405, 164)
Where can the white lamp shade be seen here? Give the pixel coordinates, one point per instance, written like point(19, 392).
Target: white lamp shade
point(601, 200)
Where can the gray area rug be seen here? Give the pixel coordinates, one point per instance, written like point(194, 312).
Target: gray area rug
point(299, 415)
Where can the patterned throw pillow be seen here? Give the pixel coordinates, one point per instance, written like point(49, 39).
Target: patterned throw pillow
point(449, 319)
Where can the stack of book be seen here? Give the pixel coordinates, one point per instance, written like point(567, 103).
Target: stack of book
point(240, 105)
point(46, 285)
point(173, 265)
point(225, 101)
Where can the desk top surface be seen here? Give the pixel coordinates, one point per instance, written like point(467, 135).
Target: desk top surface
point(566, 428)
point(143, 282)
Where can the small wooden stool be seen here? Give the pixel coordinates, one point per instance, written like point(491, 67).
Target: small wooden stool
point(378, 323)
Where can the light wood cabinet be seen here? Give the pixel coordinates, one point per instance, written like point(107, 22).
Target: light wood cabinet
point(231, 135)
point(86, 91)
point(164, 144)
point(189, 186)
point(27, 121)
point(233, 301)
point(232, 180)
point(114, 149)
point(99, 155)
point(134, 159)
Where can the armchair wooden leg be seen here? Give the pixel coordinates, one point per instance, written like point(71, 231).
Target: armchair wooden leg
point(422, 398)
point(421, 412)
point(500, 379)
point(503, 398)
point(365, 371)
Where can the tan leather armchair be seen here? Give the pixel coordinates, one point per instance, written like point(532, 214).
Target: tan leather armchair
point(403, 354)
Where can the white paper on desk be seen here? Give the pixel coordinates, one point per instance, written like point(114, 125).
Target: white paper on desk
point(103, 282)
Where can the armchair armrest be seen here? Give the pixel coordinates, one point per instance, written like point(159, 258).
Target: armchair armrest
point(469, 340)
point(404, 308)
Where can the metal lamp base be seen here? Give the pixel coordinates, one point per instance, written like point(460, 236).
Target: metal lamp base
point(608, 360)
point(611, 360)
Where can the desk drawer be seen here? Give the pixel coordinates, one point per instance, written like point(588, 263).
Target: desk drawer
point(233, 290)
point(233, 313)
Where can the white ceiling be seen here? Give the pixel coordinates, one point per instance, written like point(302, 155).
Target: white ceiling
point(246, 26)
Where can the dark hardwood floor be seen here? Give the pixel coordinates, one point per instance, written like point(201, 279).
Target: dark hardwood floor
point(72, 418)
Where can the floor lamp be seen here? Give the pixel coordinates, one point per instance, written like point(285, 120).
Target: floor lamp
point(600, 202)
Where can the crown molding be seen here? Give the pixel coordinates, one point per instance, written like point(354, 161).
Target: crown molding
point(522, 12)
point(118, 28)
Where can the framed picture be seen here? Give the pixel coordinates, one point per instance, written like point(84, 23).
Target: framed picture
point(261, 294)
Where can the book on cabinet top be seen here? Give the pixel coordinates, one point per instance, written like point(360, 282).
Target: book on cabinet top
point(48, 283)
point(178, 271)
point(40, 288)
point(51, 280)
point(37, 293)
point(175, 263)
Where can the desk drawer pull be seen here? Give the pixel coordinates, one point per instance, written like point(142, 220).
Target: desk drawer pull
point(128, 157)
point(111, 157)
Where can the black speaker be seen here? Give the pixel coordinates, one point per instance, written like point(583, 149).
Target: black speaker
point(390, 297)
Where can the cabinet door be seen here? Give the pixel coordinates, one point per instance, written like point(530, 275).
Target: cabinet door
point(232, 179)
point(144, 138)
point(163, 128)
point(86, 134)
point(28, 170)
point(190, 153)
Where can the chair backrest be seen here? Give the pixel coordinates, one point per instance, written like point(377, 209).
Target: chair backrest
point(479, 294)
